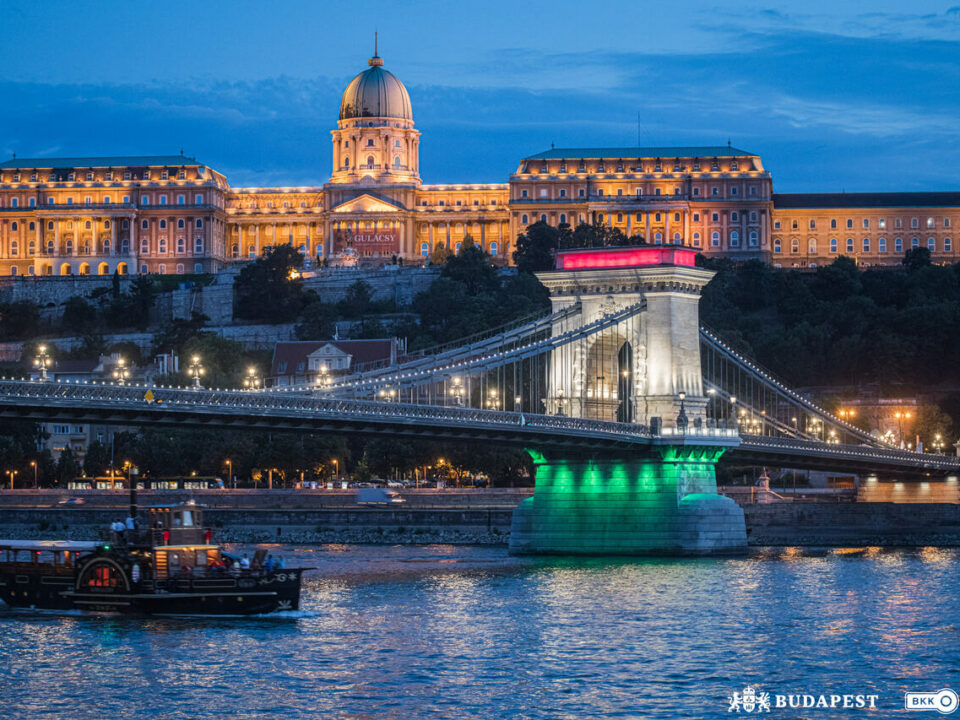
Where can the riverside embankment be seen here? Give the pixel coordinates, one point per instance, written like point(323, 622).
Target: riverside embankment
point(453, 516)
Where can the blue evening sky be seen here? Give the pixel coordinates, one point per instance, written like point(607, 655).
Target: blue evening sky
point(833, 95)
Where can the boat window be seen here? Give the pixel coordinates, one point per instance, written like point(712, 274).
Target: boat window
point(101, 575)
point(187, 518)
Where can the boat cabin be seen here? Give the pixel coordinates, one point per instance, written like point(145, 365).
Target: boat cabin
point(43, 557)
point(179, 524)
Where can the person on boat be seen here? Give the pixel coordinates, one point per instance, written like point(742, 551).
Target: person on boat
point(279, 564)
point(268, 564)
point(244, 562)
point(117, 527)
point(131, 528)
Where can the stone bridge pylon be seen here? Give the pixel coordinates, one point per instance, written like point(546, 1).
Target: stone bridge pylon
point(645, 370)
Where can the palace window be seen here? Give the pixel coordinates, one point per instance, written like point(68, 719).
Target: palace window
point(849, 245)
point(144, 224)
point(180, 223)
point(812, 246)
point(833, 224)
point(251, 251)
point(696, 239)
point(656, 191)
point(914, 223)
point(162, 269)
point(523, 194)
point(866, 245)
point(563, 192)
point(619, 192)
point(657, 217)
point(144, 246)
point(733, 190)
point(493, 248)
point(32, 226)
point(14, 202)
point(180, 269)
point(143, 269)
point(676, 217)
point(600, 192)
point(794, 246)
point(947, 245)
point(13, 269)
point(582, 192)
point(715, 239)
point(181, 199)
point(199, 223)
point(50, 225)
point(776, 224)
point(715, 191)
point(866, 223)
point(235, 251)
point(735, 217)
point(898, 245)
point(619, 217)
point(813, 224)
point(86, 225)
point(754, 238)
point(14, 249)
point(931, 222)
point(914, 242)
point(145, 200)
point(162, 246)
point(543, 218)
point(163, 224)
point(563, 218)
point(734, 238)
point(49, 201)
point(849, 223)
point(833, 245)
point(658, 237)
point(882, 245)
point(198, 246)
point(424, 249)
point(163, 199)
point(898, 223)
point(696, 217)
point(932, 244)
point(523, 220)
point(88, 200)
point(946, 222)
point(696, 192)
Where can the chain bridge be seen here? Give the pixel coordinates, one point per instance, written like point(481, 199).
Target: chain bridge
point(624, 402)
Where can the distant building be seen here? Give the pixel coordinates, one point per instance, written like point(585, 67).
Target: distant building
point(173, 214)
point(297, 363)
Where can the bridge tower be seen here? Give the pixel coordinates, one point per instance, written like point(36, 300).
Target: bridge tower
point(644, 370)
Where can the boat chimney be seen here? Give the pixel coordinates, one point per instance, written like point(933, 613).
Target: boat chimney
point(134, 472)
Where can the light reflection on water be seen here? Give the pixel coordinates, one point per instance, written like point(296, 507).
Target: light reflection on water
point(469, 632)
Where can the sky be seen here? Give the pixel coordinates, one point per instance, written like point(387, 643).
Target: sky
point(834, 96)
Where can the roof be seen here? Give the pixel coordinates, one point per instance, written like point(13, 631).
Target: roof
point(362, 352)
point(91, 162)
point(375, 93)
point(866, 200)
point(73, 545)
point(644, 152)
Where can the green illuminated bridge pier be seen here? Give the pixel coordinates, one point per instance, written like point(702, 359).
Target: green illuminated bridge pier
point(622, 400)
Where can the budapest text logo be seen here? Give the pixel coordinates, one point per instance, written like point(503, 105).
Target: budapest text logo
point(944, 701)
point(752, 700)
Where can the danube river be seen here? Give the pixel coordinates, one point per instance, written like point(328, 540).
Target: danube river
point(469, 632)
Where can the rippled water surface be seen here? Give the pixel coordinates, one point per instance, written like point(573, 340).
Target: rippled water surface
point(469, 632)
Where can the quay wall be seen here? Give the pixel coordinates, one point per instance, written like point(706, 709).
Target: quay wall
point(470, 518)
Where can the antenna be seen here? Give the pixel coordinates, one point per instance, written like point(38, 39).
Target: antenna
point(375, 43)
point(638, 129)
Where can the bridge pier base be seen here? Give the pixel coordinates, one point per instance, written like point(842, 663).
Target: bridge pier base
point(665, 504)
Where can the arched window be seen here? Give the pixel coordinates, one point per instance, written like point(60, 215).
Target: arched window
point(105, 247)
point(563, 218)
point(777, 247)
point(87, 225)
point(14, 250)
point(179, 268)
point(346, 162)
point(106, 224)
point(715, 239)
point(251, 252)
point(493, 248)
point(144, 224)
point(199, 223)
point(32, 226)
point(14, 226)
point(523, 220)
point(181, 246)
point(677, 237)
point(849, 245)
point(180, 223)
point(396, 163)
point(369, 161)
point(696, 239)
point(144, 246)
point(68, 246)
point(658, 237)
point(32, 247)
point(13, 270)
point(754, 238)
point(162, 246)
point(424, 249)
point(812, 246)
point(734, 238)
point(543, 218)
point(235, 251)
point(163, 224)
point(794, 246)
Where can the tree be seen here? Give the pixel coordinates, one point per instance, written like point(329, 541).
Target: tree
point(916, 258)
point(317, 321)
point(97, 459)
point(536, 247)
point(19, 319)
point(79, 316)
point(439, 255)
point(472, 269)
point(270, 289)
point(67, 467)
point(358, 300)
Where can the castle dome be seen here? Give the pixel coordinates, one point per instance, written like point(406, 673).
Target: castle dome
point(375, 93)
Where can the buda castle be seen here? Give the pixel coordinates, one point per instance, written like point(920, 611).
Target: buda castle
point(176, 215)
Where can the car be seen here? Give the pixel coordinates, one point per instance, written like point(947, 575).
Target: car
point(71, 501)
point(394, 484)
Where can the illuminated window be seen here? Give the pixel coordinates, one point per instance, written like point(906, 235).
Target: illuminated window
point(930, 222)
point(493, 248)
point(715, 239)
point(833, 245)
point(812, 246)
point(882, 245)
point(424, 249)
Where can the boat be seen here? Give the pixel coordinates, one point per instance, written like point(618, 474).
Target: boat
point(169, 567)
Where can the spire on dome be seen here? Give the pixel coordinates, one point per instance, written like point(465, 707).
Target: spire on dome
point(376, 60)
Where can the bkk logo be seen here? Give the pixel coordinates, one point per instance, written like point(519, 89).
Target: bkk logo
point(752, 700)
point(944, 701)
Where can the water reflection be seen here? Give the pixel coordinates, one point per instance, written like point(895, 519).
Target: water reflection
point(445, 631)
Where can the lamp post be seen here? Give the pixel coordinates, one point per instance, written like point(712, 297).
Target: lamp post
point(336, 469)
point(733, 410)
point(323, 379)
point(195, 370)
point(561, 401)
point(42, 361)
point(388, 394)
point(493, 401)
point(121, 373)
point(456, 390)
point(252, 381)
point(33, 464)
point(229, 464)
point(517, 403)
point(12, 474)
point(900, 416)
point(682, 415)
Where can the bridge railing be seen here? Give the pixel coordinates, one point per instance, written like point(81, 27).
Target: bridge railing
point(819, 447)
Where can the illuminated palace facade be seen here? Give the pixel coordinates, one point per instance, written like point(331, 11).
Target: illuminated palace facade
point(175, 215)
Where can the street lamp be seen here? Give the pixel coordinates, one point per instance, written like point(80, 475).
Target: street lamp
point(33, 464)
point(561, 401)
point(938, 444)
point(195, 370)
point(388, 394)
point(12, 474)
point(336, 468)
point(121, 373)
point(901, 416)
point(323, 379)
point(42, 361)
point(493, 402)
point(682, 415)
point(456, 390)
point(252, 381)
point(517, 403)
point(230, 479)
